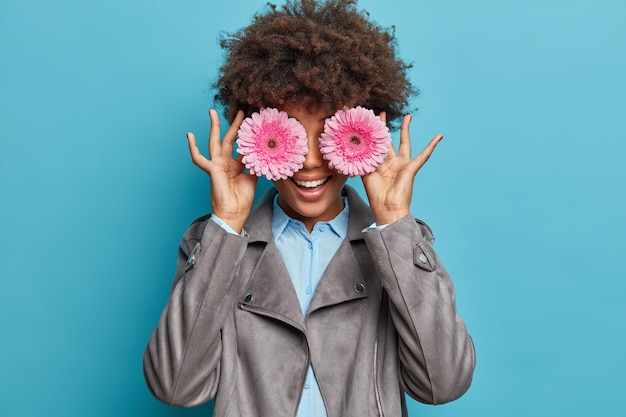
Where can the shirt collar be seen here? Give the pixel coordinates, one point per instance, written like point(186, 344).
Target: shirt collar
point(280, 220)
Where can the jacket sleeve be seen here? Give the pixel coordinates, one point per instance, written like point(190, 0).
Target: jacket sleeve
point(436, 353)
point(182, 360)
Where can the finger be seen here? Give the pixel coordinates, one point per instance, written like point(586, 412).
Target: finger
point(215, 149)
point(418, 162)
point(404, 150)
point(197, 158)
point(392, 151)
point(231, 134)
point(239, 159)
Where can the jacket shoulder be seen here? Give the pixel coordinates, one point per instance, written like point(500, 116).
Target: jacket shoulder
point(425, 230)
point(196, 228)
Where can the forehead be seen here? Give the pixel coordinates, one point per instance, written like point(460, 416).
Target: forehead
point(305, 116)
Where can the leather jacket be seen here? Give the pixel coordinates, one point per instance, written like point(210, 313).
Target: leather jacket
point(382, 322)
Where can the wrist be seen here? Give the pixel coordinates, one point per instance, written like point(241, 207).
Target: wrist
point(235, 223)
point(389, 216)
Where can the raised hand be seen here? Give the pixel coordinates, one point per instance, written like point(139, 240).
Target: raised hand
point(232, 190)
point(390, 188)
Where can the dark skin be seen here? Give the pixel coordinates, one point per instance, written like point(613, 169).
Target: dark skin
point(389, 189)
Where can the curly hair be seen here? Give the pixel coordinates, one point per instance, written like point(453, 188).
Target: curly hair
point(322, 54)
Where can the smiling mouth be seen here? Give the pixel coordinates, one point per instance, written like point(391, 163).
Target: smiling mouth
point(310, 184)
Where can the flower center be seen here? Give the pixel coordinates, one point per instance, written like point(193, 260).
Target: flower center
point(355, 140)
point(271, 143)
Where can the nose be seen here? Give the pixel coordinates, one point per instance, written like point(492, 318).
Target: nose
point(313, 159)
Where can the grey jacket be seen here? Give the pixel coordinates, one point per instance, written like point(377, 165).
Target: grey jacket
point(382, 322)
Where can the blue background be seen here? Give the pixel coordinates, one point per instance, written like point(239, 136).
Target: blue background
point(525, 193)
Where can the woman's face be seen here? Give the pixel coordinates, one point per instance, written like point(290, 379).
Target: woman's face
point(313, 193)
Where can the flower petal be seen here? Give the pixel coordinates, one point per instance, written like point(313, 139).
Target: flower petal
point(272, 144)
point(355, 141)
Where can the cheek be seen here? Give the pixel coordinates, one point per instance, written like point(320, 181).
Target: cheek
point(280, 185)
point(341, 180)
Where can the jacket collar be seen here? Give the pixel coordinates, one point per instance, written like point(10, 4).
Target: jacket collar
point(259, 223)
point(271, 290)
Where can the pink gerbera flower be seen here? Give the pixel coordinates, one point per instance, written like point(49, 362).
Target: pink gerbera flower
point(272, 144)
point(355, 141)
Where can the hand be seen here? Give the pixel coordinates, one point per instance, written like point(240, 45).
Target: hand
point(390, 188)
point(232, 190)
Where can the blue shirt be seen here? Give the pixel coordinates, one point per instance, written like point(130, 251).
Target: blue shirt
point(306, 256)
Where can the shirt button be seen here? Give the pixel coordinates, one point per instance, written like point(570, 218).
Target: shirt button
point(308, 290)
point(309, 245)
point(359, 288)
point(423, 259)
point(307, 386)
point(323, 228)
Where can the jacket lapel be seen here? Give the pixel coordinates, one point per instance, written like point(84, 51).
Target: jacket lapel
point(344, 278)
point(270, 291)
point(342, 281)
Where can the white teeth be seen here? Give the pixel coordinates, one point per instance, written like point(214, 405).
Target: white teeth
point(310, 184)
